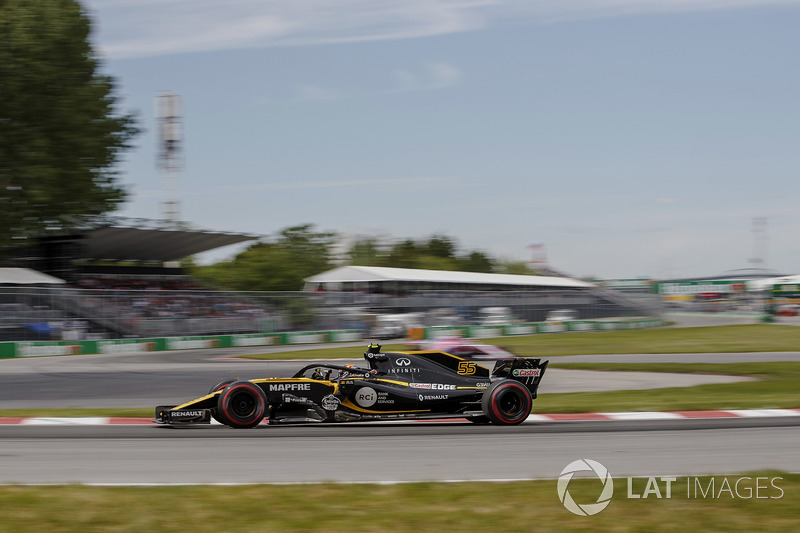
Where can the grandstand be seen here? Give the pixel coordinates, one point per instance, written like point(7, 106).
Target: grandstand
point(91, 282)
point(20, 317)
point(531, 298)
point(120, 279)
point(114, 246)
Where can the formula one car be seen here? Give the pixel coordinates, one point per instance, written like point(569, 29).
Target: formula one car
point(397, 385)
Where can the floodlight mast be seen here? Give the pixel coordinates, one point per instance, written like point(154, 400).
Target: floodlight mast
point(170, 148)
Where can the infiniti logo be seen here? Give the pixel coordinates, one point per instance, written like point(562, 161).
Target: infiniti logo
point(403, 361)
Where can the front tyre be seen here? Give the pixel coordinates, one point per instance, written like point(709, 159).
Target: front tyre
point(506, 402)
point(218, 387)
point(241, 404)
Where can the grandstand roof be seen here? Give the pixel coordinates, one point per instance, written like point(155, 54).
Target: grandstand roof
point(135, 241)
point(357, 274)
point(26, 276)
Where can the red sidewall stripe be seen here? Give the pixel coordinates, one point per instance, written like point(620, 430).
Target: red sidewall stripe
point(226, 400)
point(495, 409)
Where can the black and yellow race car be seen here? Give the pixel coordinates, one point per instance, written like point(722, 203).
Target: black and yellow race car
point(397, 385)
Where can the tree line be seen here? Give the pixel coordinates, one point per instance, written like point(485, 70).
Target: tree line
point(298, 252)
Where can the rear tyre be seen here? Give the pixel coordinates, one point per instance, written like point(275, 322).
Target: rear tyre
point(506, 402)
point(219, 386)
point(241, 404)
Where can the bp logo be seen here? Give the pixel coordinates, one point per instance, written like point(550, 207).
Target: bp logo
point(585, 465)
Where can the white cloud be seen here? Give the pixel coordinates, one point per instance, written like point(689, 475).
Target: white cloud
point(434, 76)
point(140, 28)
point(407, 81)
point(314, 92)
point(443, 75)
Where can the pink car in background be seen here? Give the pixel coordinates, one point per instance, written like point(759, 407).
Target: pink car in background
point(464, 348)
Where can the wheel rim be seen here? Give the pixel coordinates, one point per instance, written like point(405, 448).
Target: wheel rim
point(243, 404)
point(510, 403)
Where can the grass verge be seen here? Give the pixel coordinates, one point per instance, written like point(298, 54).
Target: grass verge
point(512, 507)
point(777, 387)
point(713, 339)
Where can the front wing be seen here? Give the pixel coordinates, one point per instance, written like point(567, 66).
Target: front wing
point(167, 414)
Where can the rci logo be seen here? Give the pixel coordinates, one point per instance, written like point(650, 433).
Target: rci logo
point(366, 396)
point(585, 465)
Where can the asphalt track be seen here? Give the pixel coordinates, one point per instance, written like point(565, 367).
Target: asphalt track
point(132, 455)
point(162, 378)
point(379, 452)
point(126, 381)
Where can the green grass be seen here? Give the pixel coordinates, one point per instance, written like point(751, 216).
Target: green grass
point(713, 339)
point(778, 386)
point(509, 507)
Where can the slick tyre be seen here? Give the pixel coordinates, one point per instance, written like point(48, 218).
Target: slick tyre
point(506, 402)
point(219, 386)
point(241, 404)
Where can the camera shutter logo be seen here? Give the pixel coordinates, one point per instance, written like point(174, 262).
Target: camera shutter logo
point(585, 465)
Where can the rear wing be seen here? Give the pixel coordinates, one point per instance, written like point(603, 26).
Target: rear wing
point(526, 370)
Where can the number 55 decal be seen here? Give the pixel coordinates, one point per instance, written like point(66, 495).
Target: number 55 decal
point(465, 368)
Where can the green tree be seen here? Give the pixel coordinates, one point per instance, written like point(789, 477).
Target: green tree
point(440, 246)
point(404, 254)
point(365, 252)
point(60, 136)
point(439, 252)
point(309, 250)
point(281, 265)
point(476, 262)
point(433, 262)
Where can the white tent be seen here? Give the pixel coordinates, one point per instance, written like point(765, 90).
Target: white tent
point(362, 274)
point(26, 276)
point(766, 284)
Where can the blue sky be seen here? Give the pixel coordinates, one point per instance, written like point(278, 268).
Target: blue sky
point(632, 138)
